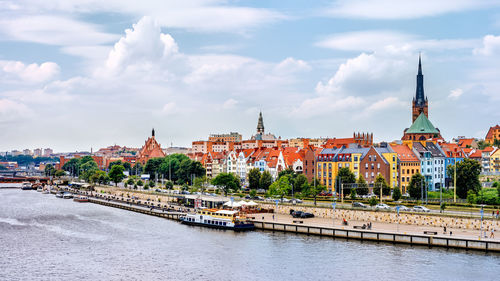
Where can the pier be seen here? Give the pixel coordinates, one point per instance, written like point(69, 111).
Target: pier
point(138, 209)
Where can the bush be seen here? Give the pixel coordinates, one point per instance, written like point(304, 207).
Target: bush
point(169, 185)
point(373, 201)
point(471, 197)
point(140, 183)
point(353, 193)
point(253, 193)
point(396, 193)
point(152, 184)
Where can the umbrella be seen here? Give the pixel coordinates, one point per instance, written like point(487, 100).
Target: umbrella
point(232, 204)
point(251, 203)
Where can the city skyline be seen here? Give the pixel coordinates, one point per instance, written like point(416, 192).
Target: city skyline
point(323, 71)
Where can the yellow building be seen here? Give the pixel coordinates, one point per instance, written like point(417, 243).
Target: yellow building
point(392, 158)
point(408, 165)
point(495, 161)
point(329, 162)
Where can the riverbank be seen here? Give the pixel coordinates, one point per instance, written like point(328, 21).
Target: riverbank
point(428, 235)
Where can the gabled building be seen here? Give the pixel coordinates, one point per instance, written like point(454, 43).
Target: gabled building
point(431, 163)
point(495, 162)
point(493, 134)
point(151, 149)
point(467, 143)
point(408, 165)
point(421, 130)
point(374, 163)
point(453, 154)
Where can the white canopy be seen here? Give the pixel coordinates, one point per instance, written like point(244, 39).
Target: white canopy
point(251, 203)
point(232, 204)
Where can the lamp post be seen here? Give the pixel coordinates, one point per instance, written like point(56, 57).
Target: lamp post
point(455, 181)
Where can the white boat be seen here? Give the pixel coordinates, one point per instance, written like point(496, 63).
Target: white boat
point(59, 194)
point(216, 218)
point(81, 199)
point(26, 186)
point(67, 195)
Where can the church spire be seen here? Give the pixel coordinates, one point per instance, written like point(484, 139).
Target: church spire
point(419, 95)
point(260, 124)
point(153, 132)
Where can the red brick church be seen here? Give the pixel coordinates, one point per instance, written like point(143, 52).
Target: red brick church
point(151, 149)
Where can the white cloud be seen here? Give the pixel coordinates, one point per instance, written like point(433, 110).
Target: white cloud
point(290, 65)
point(455, 94)
point(230, 103)
point(199, 15)
point(12, 111)
point(28, 73)
point(401, 9)
point(53, 30)
point(390, 41)
point(490, 46)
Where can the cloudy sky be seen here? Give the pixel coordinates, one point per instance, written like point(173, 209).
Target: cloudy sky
point(91, 73)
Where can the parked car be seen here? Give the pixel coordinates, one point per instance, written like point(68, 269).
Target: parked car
point(421, 209)
point(158, 190)
point(358, 205)
point(302, 215)
point(403, 208)
point(296, 201)
point(248, 197)
point(382, 206)
point(261, 190)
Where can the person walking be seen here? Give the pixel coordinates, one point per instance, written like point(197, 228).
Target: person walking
point(498, 213)
point(492, 234)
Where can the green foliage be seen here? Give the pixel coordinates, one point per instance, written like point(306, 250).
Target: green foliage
point(119, 162)
point(488, 196)
point(373, 201)
point(314, 189)
point(130, 181)
point(200, 182)
point(380, 181)
point(353, 193)
point(152, 167)
point(253, 193)
point(152, 184)
point(98, 177)
point(227, 182)
point(471, 197)
point(300, 183)
point(140, 183)
point(265, 180)
point(169, 185)
point(468, 172)
point(72, 166)
point(281, 187)
point(116, 174)
point(287, 172)
point(362, 186)
point(415, 187)
point(59, 173)
point(482, 144)
point(396, 193)
point(137, 170)
point(24, 160)
point(253, 178)
point(495, 184)
point(49, 170)
point(344, 178)
point(442, 207)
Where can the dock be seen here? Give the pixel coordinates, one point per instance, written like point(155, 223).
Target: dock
point(388, 237)
point(138, 209)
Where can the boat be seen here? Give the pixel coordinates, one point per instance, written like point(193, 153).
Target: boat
point(26, 186)
point(67, 195)
point(39, 189)
point(217, 218)
point(45, 191)
point(60, 194)
point(81, 199)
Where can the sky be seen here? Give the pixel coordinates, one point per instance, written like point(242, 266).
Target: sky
point(82, 74)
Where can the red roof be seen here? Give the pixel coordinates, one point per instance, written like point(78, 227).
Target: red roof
point(404, 152)
point(476, 154)
point(489, 135)
point(465, 142)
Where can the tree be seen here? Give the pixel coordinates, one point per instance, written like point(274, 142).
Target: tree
point(49, 170)
point(415, 187)
point(468, 172)
point(140, 183)
point(253, 193)
point(98, 176)
point(169, 185)
point(72, 166)
point(152, 167)
point(353, 193)
point(372, 202)
point(265, 180)
point(59, 173)
point(130, 181)
point(253, 178)
point(380, 182)
point(200, 182)
point(119, 162)
point(314, 189)
point(300, 183)
point(362, 186)
point(152, 184)
point(137, 169)
point(116, 174)
point(226, 181)
point(345, 178)
point(396, 193)
point(281, 187)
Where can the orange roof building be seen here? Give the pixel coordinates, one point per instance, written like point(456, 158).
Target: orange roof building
point(408, 165)
point(151, 149)
point(493, 134)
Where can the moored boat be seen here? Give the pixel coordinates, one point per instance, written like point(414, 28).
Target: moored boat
point(67, 195)
point(216, 218)
point(26, 186)
point(81, 199)
point(60, 194)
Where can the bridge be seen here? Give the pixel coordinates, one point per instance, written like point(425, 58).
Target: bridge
point(24, 179)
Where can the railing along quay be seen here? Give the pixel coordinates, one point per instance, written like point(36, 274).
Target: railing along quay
point(391, 237)
point(138, 209)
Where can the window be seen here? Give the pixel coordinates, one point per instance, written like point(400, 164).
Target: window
point(378, 165)
point(393, 158)
point(373, 174)
point(366, 174)
point(355, 158)
point(366, 165)
point(403, 179)
point(403, 171)
point(375, 157)
point(373, 166)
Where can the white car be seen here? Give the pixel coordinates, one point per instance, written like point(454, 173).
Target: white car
point(382, 206)
point(403, 208)
point(421, 209)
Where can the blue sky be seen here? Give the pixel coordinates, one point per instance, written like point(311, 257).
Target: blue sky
point(72, 77)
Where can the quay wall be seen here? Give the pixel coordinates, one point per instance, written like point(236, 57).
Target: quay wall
point(392, 217)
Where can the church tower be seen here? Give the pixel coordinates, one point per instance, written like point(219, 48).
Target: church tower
point(260, 125)
point(420, 104)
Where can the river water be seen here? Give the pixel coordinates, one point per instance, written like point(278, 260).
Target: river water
point(46, 238)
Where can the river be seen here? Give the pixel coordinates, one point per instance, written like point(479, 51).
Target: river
point(46, 238)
